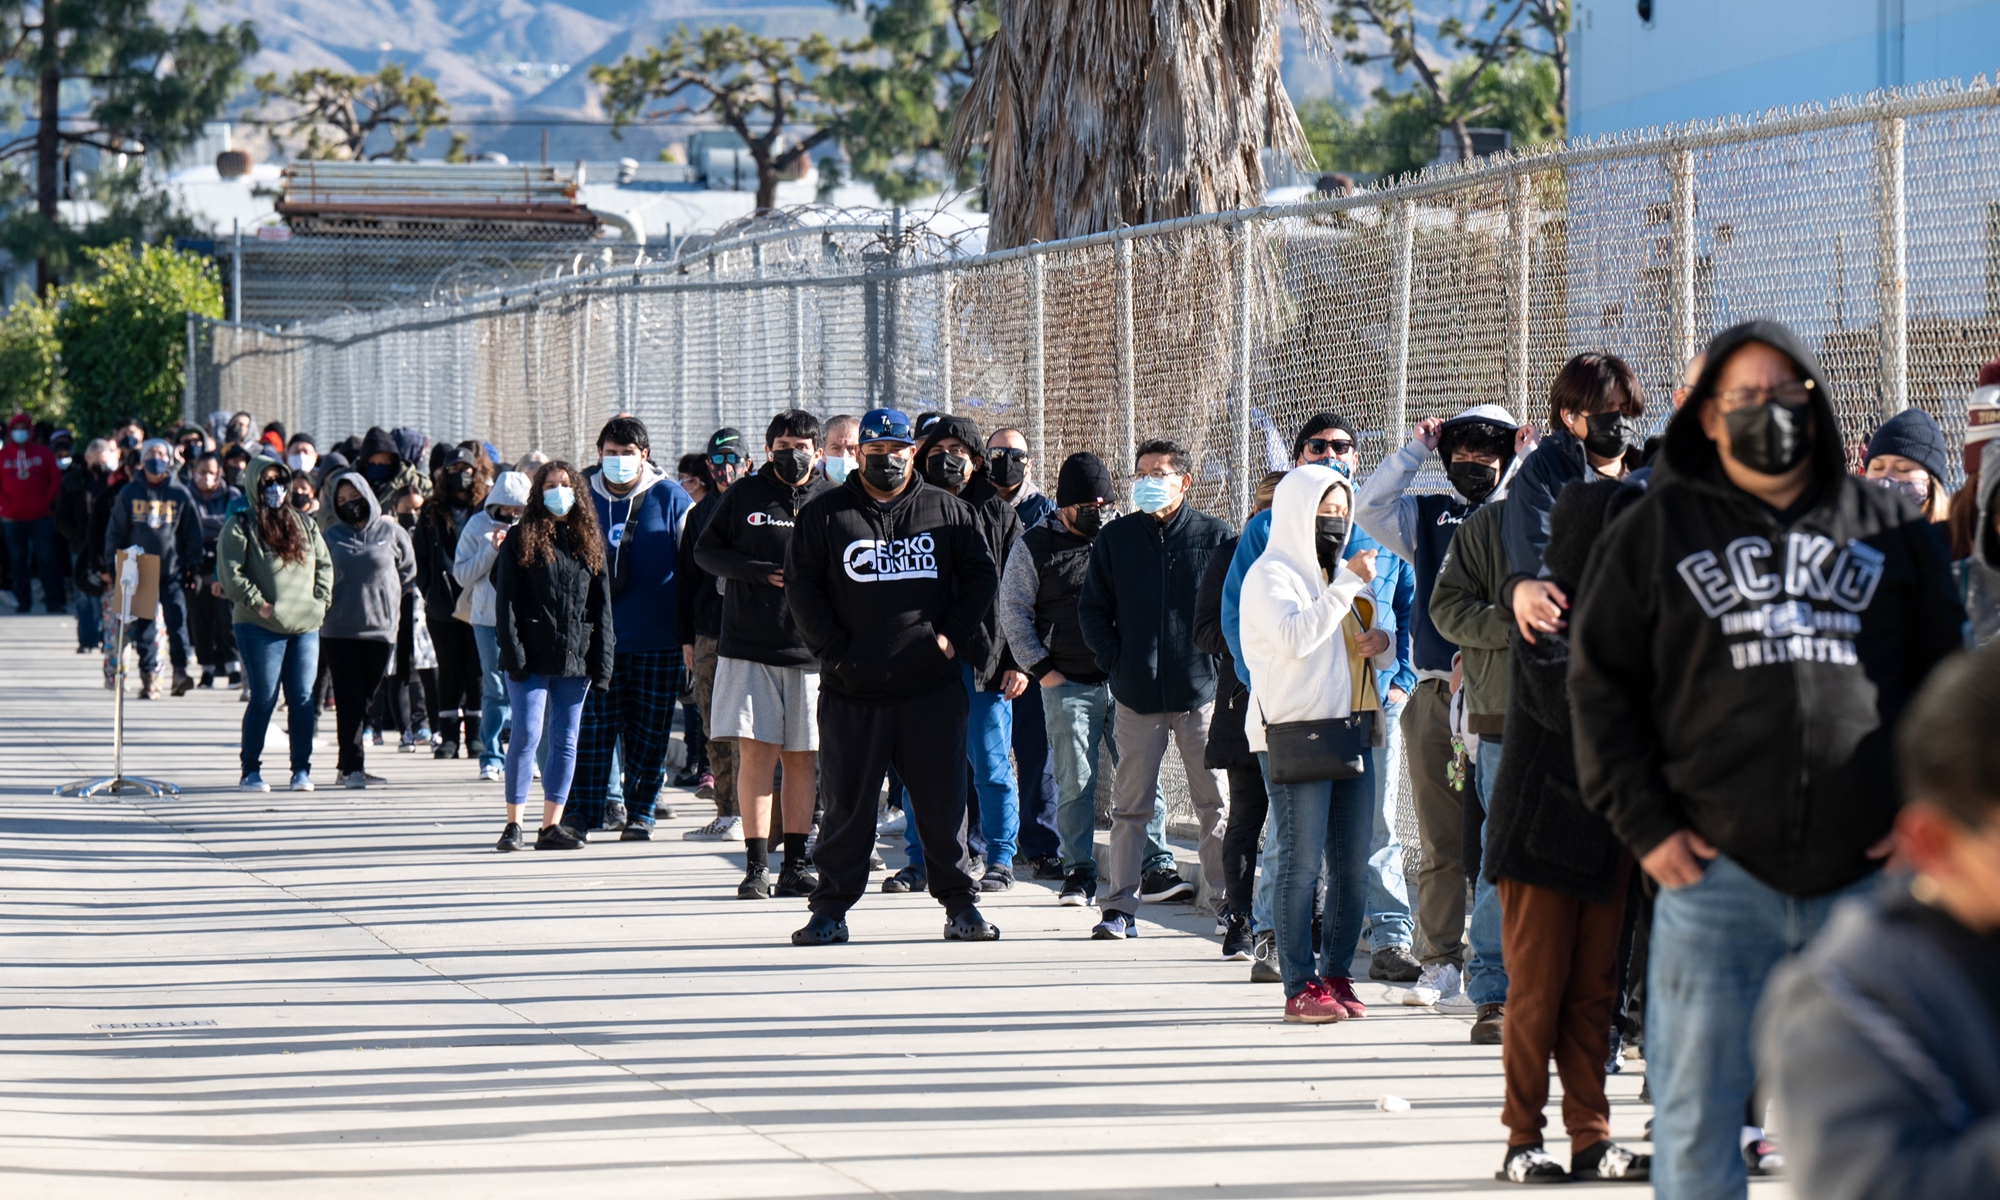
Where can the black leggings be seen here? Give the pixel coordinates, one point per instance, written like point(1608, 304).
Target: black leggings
point(1248, 805)
point(358, 669)
point(457, 680)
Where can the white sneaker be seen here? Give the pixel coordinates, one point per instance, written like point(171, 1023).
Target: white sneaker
point(1436, 979)
point(253, 782)
point(490, 774)
point(302, 781)
point(722, 829)
point(894, 823)
point(1456, 1004)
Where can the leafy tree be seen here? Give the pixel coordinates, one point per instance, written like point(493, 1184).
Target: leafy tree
point(898, 87)
point(1398, 131)
point(31, 361)
point(132, 212)
point(336, 114)
point(123, 332)
point(1448, 92)
point(110, 75)
point(753, 85)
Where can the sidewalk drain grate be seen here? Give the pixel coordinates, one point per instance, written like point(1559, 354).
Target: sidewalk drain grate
point(153, 1025)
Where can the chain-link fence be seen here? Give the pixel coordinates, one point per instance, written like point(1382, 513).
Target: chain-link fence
point(1872, 228)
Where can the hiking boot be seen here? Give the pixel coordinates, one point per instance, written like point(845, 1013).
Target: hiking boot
point(909, 879)
point(1492, 1021)
point(722, 829)
point(1236, 940)
point(1314, 1006)
point(997, 879)
point(756, 884)
point(558, 837)
point(821, 931)
point(1159, 887)
point(1264, 959)
point(145, 686)
point(796, 878)
point(1394, 964)
point(183, 683)
point(1114, 926)
point(969, 926)
point(1341, 988)
point(1609, 1162)
point(1530, 1164)
point(1079, 889)
point(510, 838)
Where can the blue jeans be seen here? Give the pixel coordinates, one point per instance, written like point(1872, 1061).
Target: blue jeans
point(271, 660)
point(1076, 719)
point(32, 547)
point(172, 613)
point(1323, 825)
point(89, 620)
point(1388, 921)
point(1485, 970)
point(493, 707)
point(1713, 946)
point(989, 733)
point(559, 700)
point(1035, 778)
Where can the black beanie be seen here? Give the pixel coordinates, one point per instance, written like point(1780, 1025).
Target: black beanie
point(1316, 426)
point(1915, 436)
point(1083, 480)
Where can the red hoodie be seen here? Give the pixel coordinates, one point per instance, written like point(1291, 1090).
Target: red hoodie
point(28, 476)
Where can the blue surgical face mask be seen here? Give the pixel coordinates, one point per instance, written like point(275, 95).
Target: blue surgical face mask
point(620, 468)
point(1151, 494)
point(838, 469)
point(558, 500)
point(19, 436)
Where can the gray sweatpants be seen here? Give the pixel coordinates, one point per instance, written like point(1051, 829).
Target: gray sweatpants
point(1142, 746)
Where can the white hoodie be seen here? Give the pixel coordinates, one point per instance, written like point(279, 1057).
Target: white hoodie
point(1291, 614)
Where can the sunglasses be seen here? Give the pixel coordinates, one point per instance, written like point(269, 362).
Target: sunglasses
point(1330, 445)
point(1008, 452)
point(731, 458)
point(885, 428)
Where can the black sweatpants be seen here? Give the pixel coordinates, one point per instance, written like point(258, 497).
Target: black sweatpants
point(457, 680)
point(1248, 805)
point(358, 668)
point(924, 739)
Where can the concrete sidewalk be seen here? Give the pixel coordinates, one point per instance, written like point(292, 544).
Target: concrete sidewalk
point(349, 993)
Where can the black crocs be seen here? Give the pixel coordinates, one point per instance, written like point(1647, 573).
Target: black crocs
point(969, 926)
point(821, 931)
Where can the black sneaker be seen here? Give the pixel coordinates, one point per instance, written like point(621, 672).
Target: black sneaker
point(1394, 964)
point(969, 926)
point(636, 832)
point(1609, 1162)
point(558, 837)
point(909, 879)
point(1264, 959)
point(1236, 942)
point(1530, 1164)
point(614, 817)
point(510, 838)
point(1158, 887)
point(821, 931)
point(1047, 867)
point(445, 750)
point(1079, 888)
point(796, 879)
point(756, 884)
point(687, 777)
point(997, 879)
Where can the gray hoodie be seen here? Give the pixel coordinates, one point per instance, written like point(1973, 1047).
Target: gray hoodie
point(1979, 575)
point(373, 567)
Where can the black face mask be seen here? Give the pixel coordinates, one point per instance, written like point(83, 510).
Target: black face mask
point(128, 442)
point(233, 476)
point(948, 471)
point(792, 465)
point(190, 451)
point(1770, 438)
point(407, 520)
point(1329, 536)
point(503, 518)
point(1474, 481)
point(1607, 434)
point(458, 483)
point(301, 501)
point(354, 512)
point(884, 472)
point(1006, 471)
point(1089, 519)
point(377, 472)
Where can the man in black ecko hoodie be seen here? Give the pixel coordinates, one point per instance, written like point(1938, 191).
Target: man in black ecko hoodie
point(1745, 639)
point(889, 581)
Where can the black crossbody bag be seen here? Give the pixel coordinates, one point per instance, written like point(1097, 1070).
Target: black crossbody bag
point(1316, 751)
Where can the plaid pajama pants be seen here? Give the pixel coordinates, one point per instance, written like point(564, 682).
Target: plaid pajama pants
point(635, 715)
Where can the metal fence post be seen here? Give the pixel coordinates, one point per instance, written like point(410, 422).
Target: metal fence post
point(681, 366)
point(236, 274)
point(797, 333)
point(1520, 278)
point(715, 346)
point(1405, 230)
point(1038, 369)
point(188, 400)
point(1240, 450)
point(1680, 184)
point(1128, 391)
point(947, 389)
point(1892, 243)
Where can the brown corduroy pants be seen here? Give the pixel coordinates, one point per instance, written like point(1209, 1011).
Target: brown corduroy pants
point(1562, 984)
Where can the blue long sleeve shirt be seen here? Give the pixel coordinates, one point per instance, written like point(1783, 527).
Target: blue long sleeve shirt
point(1394, 589)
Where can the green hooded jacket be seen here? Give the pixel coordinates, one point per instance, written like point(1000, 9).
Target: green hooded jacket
point(253, 575)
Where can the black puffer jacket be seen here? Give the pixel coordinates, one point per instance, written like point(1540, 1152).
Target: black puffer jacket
point(554, 617)
point(1227, 746)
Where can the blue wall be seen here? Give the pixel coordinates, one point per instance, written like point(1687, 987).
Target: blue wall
point(1709, 58)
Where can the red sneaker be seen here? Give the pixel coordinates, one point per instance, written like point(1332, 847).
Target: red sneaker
point(1314, 1006)
point(1341, 990)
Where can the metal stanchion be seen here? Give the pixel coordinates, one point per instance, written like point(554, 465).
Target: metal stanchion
point(118, 783)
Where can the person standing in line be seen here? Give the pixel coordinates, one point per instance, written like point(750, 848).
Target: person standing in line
point(554, 627)
point(155, 513)
point(278, 576)
point(698, 613)
point(1039, 842)
point(889, 581)
point(767, 681)
point(691, 472)
point(1978, 571)
point(29, 482)
point(842, 452)
point(640, 512)
point(952, 460)
point(1477, 446)
point(1595, 406)
point(210, 613)
point(1306, 622)
point(472, 568)
point(1137, 616)
point(464, 478)
point(84, 483)
point(1037, 608)
point(1908, 453)
point(1747, 636)
point(374, 566)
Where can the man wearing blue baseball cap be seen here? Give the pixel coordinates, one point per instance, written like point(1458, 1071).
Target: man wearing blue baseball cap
point(889, 581)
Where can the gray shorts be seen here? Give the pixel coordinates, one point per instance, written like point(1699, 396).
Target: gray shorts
point(764, 703)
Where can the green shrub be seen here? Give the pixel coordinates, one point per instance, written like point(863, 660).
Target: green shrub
point(31, 362)
point(123, 331)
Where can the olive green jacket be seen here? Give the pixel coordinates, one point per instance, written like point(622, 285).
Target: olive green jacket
point(253, 575)
point(1464, 608)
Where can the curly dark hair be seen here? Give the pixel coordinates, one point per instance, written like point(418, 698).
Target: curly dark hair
point(536, 534)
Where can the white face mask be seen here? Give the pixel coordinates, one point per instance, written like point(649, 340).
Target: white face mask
point(299, 462)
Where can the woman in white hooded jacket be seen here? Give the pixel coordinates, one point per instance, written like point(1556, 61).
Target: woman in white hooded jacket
point(1310, 644)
